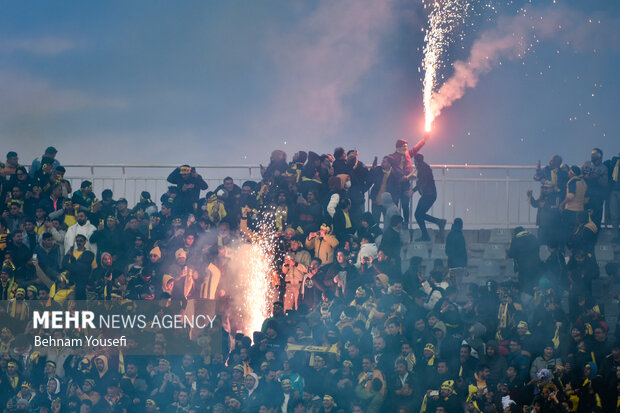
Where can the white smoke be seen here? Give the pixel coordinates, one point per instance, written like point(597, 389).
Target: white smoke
point(512, 39)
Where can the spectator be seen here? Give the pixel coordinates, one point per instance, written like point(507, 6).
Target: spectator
point(575, 200)
point(595, 175)
point(347, 337)
point(188, 186)
point(10, 166)
point(323, 243)
point(425, 184)
point(81, 227)
point(400, 161)
point(50, 153)
point(613, 167)
point(456, 249)
point(391, 242)
point(84, 197)
point(382, 179)
point(524, 251)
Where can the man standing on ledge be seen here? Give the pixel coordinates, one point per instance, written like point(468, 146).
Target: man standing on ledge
point(428, 194)
point(401, 164)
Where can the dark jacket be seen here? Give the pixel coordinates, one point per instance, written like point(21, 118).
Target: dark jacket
point(186, 198)
point(425, 183)
point(456, 250)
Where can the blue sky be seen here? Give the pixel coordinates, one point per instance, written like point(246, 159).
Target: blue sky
point(228, 81)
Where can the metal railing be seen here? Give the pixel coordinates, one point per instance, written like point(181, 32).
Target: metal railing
point(484, 196)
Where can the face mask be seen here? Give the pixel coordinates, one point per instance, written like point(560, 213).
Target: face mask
point(347, 184)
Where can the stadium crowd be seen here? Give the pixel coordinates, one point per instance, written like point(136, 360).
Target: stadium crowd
point(350, 331)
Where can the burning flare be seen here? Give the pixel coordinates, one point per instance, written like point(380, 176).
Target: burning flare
point(444, 18)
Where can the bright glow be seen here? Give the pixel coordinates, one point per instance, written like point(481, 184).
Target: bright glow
point(252, 269)
point(444, 17)
point(252, 287)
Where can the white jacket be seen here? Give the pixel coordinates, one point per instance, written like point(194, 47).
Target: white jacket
point(77, 229)
point(434, 295)
point(366, 250)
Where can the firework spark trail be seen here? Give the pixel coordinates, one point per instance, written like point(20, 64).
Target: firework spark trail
point(444, 18)
point(513, 38)
point(252, 288)
point(252, 267)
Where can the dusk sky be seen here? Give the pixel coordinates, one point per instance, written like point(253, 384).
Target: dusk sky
point(228, 81)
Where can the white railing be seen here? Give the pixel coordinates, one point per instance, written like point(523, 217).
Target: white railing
point(485, 196)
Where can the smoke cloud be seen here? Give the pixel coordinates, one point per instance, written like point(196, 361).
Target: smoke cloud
point(512, 39)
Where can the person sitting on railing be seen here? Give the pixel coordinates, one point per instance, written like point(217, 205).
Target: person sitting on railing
point(277, 166)
point(189, 184)
point(36, 165)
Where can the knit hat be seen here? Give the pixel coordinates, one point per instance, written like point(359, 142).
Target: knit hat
point(447, 385)
point(238, 367)
point(180, 253)
point(156, 251)
point(329, 398)
point(401, 142)
point(385, 280)
point(430, 347)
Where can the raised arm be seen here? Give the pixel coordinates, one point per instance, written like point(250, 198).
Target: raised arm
point(42, 276)
point(419, 145)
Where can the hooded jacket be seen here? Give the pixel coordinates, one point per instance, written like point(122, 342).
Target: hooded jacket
point(497, 364)
point(390, 208)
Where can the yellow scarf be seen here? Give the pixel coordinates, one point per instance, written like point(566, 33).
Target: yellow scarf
point(23, 311)
point(616, 172)
point(347, 220)
point(503, 319)
point(14, 381)
point(556, 338)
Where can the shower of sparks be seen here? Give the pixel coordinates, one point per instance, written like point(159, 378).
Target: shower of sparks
point(254, 264)
point(443, 20)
